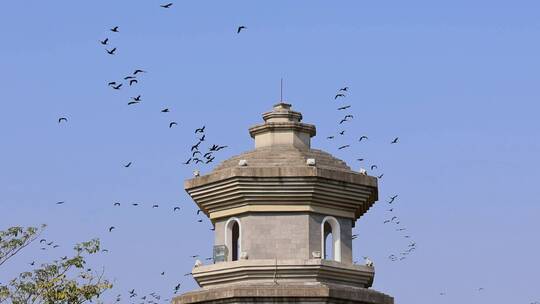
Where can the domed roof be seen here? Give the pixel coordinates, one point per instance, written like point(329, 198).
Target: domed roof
point(285, 156)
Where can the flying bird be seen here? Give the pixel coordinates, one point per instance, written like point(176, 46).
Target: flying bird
point(166, 110)
point(187, 162)
point(132, 103)
point(62, 119)
point(373, 167)
point(380, 176)
point(115, 29)
point(111, 228)
point(200, 130)
point(339, 95)
point(128, 165)
point(195, 147)
point(168, 5)
point(60, 203)
point(176, 208)
point(343, 147)
point(117, 87)
point(172, 124)
point(104, 42)
point(344, 108)
point(138, 71)
point(240, 28)
point(133, 81)
point(138, 98)
point(344, 89)
point(116, 204)
point(395, 140)
point(111, 52)
point(155, 206)
point(342, 132)
point(330, 137)
point(363, 137)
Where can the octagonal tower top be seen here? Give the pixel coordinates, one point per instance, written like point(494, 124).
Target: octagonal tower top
point(283, 126)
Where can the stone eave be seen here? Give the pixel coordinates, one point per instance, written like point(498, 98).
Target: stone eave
point(282, 127)
point(283, 271)
point(239, 190)
point(284, 293)
point(338, 175)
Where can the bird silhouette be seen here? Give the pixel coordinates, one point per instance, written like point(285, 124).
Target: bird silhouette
point(240, 28)
point(343, 147)
point(116, 204)
point(330, 137)
point(165, 110)
point(200, 130)
point(344, 89)
point(132, 103)
point(339, 95)
point(202, 138)
point(60, 203)
point(62, 119)
point(380, 176)
point(128, 165)
point(138, 71)
point(173, 123)
point(111, 52)
point(187, 162)
point(176, 208)
point(117, 87)
point(104, 42)
point(373, 167)
point(363, 137)
point(395, 140)
point(115, 29)
point(137, 98)
point(168, 5)
point(133, 81)
point(342, 132)
point(111, 228)
point(196, 146)
point(344, 108)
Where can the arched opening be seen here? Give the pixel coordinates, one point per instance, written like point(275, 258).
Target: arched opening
point(331, 239)
point(233, 238)
point(328, 242)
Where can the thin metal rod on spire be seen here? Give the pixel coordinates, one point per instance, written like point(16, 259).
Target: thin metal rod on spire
point(281, 91)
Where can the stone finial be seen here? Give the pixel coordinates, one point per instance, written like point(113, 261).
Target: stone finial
point(283, 126)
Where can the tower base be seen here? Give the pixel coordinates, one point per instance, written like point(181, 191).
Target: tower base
point(284, 293)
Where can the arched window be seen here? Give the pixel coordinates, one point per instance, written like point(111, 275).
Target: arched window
point(331, 239)
point(233, 238)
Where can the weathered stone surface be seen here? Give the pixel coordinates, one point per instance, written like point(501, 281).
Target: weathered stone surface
point(287, 293)
point(277, 210)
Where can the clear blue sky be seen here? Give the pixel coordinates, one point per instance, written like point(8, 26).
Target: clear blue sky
point(457, 81)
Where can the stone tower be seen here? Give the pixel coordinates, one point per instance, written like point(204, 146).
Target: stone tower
point(283, 216)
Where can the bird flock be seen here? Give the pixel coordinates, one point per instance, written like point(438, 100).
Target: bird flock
point(347, 116)
point(201, 153)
